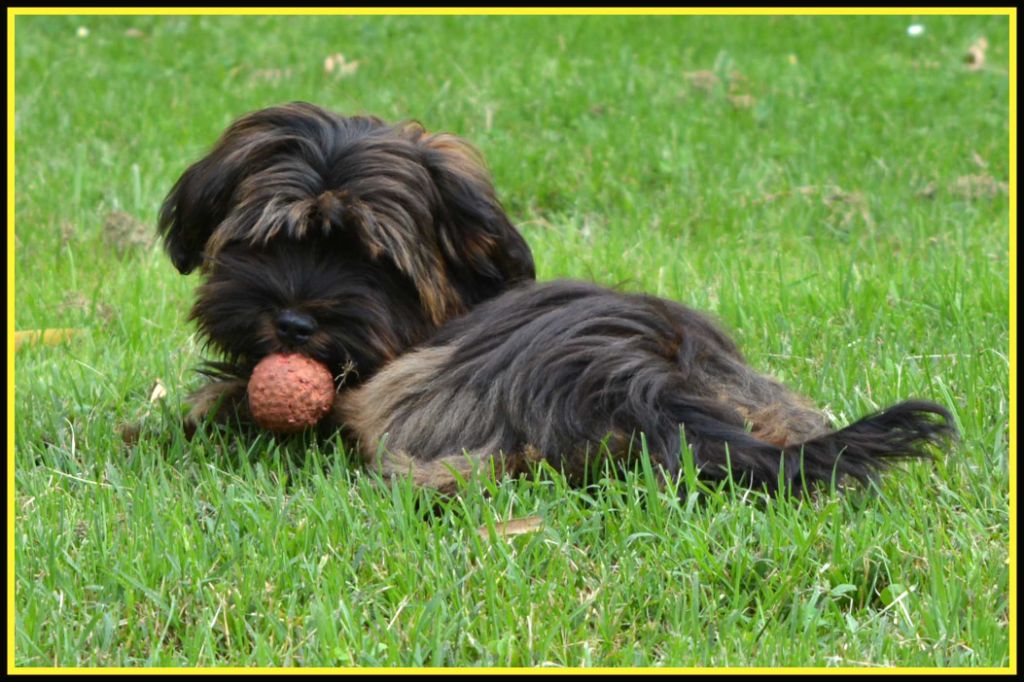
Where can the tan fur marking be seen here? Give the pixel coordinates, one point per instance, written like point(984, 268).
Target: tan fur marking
point(461, 155)
point(367, 410)
point(784, 425)
point(788, 420)
point(442, 474)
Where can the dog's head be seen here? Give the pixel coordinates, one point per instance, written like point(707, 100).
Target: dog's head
point(343, 238)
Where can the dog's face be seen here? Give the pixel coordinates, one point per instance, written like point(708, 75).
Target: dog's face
point(345, 239)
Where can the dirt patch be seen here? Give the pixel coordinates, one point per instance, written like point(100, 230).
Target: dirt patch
point(77, 302)
point(124, 233)
point(843, 206)
point(980, 186)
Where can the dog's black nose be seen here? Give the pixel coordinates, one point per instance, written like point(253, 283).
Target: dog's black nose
point(294, 328)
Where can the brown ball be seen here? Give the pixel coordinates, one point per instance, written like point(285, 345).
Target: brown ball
point(289, 393)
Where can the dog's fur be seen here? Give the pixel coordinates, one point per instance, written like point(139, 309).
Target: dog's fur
point(383, 252)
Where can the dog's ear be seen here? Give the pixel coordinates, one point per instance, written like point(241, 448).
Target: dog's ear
point(484, 253)
point(198, 202)
point(207, 192)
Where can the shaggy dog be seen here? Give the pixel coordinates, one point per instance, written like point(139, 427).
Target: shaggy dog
point(382, 252)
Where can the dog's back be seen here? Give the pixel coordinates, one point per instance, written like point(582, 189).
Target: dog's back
point(569, 371)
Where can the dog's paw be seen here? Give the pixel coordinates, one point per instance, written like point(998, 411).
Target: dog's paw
point(218, 402)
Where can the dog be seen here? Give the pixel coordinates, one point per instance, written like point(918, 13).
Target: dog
point(383, 252)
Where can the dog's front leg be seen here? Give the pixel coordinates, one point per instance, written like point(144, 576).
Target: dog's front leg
point(220, 401)
point(442, 474)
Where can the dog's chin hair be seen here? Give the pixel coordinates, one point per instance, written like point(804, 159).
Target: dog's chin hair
point(233, 367)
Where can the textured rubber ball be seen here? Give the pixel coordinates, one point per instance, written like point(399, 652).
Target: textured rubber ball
point(290, 392)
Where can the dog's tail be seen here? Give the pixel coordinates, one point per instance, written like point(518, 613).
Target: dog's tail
point(860, 451)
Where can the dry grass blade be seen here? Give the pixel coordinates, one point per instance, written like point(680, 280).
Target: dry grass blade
point(528, 524)
point(975, 56)
point(49, 337)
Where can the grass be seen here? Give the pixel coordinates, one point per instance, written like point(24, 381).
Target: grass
point(831, 188)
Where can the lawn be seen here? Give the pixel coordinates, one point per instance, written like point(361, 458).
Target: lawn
point(834, 189)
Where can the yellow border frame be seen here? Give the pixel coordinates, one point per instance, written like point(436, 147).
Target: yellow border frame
point(1009, 12)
